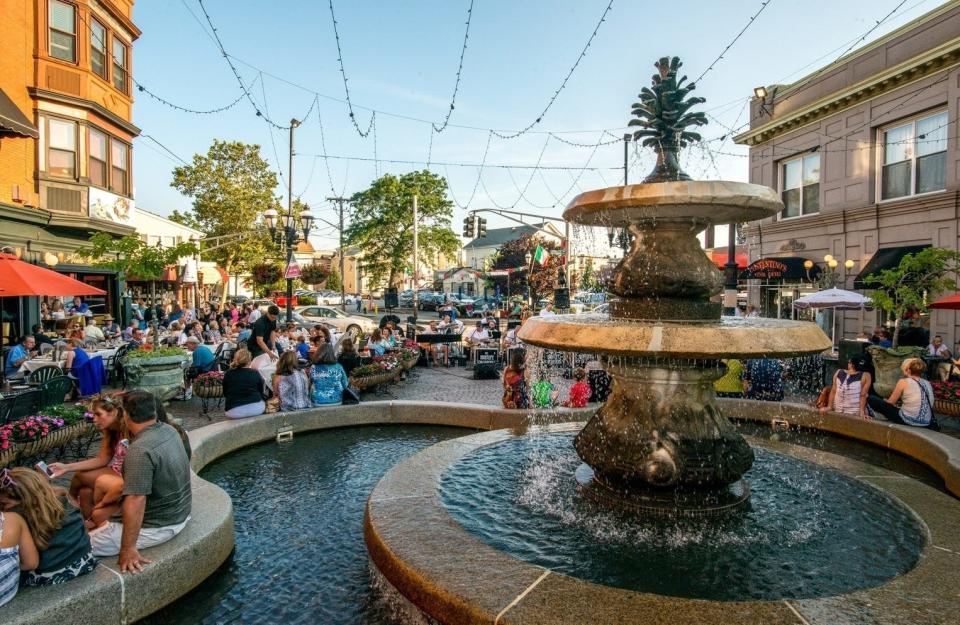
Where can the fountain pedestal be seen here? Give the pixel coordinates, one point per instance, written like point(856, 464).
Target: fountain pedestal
point(659, 442)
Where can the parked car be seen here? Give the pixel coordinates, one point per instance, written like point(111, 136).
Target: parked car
point(328, 298)
point(280, 298)
point(336, 318)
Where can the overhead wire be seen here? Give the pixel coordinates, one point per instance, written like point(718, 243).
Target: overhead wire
point(763, 5)
point(343, 74)
point(556, 94)
point(456, 84)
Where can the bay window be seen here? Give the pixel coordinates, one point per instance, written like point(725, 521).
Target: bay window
point(98, 158)
point(61, 148)
point(119, 165)
point(119, 65)
point(98, 49)
point(800, 186)
point(62, 17)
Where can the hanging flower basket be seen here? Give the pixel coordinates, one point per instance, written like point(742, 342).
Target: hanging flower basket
point(209, 385)
point(946, 408)
point(946, 398)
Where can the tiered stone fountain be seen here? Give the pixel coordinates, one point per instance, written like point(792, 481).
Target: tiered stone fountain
point(660, 442)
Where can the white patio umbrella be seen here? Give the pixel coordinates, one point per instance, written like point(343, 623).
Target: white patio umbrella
point(837, 299)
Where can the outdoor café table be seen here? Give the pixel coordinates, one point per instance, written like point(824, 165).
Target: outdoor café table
point(33, 364)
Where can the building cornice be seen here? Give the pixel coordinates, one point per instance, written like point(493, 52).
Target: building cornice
point(109, 7)
point(76, 221)
point(53, 96)
point(919, 67)
point(29, 215)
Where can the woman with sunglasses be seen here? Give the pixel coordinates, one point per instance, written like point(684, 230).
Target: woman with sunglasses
point(98, 482)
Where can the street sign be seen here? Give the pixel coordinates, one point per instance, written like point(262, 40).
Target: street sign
point(293, 269)
point(498, 272)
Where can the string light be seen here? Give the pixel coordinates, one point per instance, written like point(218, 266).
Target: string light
point(343, 74)
point(142, 89)
point(763, 5)
point(563, 84)
point(456, 84)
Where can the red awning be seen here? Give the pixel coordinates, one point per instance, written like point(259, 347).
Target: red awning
point(18, 278)
point(719, 257)
point(950, 302)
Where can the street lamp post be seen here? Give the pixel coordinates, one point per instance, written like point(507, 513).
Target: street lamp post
point(289, 238)
point(529, 258)
point(195, 239)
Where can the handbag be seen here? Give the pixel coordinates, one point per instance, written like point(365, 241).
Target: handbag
point(350, 396)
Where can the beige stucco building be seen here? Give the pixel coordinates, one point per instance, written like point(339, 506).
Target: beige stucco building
point(865, 154)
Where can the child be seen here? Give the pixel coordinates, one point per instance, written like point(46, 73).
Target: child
point(55, 525)
point(543, 394)
point(303, 350)
point(580, 391)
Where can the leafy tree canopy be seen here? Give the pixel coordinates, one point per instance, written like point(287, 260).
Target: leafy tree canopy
point(512, 254)
point(231, 186)
point(132, 257)
point(911, 284)
point(381, 223)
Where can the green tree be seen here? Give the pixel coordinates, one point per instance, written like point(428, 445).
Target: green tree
point(230, 186)
point(512, 255)
point(911, 284)
point(333, 280)
point(132, 257)
point(381, 223)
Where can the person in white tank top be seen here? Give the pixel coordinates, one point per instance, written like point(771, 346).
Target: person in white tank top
point(915, 396)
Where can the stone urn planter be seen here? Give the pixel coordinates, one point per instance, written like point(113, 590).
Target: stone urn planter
point(160, 375)
point(886, 363)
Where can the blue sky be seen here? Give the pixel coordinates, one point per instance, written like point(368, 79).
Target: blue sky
point(401, 59)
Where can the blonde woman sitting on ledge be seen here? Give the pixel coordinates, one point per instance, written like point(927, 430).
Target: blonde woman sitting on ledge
point(915, 395)
point(243, 391)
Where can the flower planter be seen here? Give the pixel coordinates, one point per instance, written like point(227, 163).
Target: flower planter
point(57, 438)
point(946, 408)
point(369, 381)
point(886, 363)
point(161, 376)
point(209, 391)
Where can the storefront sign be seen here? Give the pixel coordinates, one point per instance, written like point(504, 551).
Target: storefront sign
point(782, 268)
point(107, 206)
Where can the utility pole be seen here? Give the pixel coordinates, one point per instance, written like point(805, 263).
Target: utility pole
point(290, 226)
point(416, 267)
point(340, 201)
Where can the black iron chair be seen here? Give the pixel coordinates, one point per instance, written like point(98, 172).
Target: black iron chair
point(44, 373)
point(12, 408)
point(54, 391)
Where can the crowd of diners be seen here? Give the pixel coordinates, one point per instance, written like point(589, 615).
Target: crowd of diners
point(134, 494)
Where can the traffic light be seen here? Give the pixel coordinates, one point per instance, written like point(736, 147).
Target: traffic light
point(469, 230)
point(481, 227)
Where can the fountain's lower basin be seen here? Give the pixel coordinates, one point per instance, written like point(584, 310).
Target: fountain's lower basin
point(808, 531)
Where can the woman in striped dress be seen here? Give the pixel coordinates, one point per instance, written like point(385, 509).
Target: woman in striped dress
point(850, 389)
point(17, 550)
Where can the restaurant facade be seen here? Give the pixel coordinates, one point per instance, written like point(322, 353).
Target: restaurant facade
point(864, 153)
point(66, 153)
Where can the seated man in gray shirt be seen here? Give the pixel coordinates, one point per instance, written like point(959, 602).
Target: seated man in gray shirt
point(156, 487)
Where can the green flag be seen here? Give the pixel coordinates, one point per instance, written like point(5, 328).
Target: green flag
point(540, 256)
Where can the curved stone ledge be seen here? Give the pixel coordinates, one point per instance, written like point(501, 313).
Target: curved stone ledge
point(107, 597)
point(456, 578)
point(938, 452)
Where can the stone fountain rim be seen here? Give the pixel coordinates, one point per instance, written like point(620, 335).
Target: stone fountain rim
point(704, 340)
point(411, 536)
point(705, 201)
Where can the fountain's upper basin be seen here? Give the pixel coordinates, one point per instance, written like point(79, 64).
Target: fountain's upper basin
point(730, 337)
point(704, 201)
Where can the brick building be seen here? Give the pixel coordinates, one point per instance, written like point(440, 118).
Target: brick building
point(864, 152)
point(66, 157)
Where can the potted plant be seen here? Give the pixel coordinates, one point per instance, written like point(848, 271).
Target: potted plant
point(159, 371)
point(36, 434)
point(208, 385)
point(908, 287)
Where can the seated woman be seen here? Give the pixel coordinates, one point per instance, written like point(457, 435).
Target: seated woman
point(348, 358)
point(375, 344)
point(17, 549)
point(76, 357)
point(328, 377)
point(243, 391)
point(76, 328)
point(97, 483)
point(291, 384)
point(55, 525)
point(389, 339)
point(515, 382)
point(850, 389)
point(915, 395)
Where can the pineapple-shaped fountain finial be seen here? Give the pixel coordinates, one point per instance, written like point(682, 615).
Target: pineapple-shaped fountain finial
point(663, 113)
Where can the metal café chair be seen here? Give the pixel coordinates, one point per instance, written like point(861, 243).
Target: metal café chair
point(44, 373)
point(20, 405)
point(46, 348)
point(54, 391)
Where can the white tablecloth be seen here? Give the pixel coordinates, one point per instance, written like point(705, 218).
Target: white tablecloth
point(32, 365)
